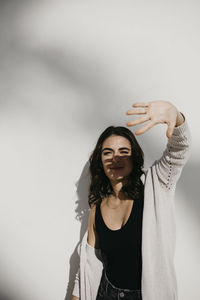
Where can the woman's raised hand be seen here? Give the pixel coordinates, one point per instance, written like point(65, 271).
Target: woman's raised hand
point(156, 112)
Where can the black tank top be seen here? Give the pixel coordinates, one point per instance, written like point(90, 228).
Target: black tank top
point(122, 248)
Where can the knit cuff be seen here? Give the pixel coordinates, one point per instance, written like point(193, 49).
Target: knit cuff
point(181, 135)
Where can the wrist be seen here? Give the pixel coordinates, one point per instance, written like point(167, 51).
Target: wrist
point(179, 119)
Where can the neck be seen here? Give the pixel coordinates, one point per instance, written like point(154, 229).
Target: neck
point(117, 185)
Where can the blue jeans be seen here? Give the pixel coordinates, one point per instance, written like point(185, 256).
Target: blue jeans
point(107, 291)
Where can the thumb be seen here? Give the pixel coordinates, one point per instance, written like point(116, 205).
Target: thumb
point(170, 130)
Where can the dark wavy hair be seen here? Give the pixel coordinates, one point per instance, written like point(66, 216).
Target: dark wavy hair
point(100, 185)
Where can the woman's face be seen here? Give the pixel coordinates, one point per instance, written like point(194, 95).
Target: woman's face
point(116, 157)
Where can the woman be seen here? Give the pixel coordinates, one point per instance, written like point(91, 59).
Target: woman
point(128, 249)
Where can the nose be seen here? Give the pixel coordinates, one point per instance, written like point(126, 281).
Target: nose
point(116, 157)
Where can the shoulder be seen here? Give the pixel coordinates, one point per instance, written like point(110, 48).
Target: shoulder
point(93, 209)
point(93, 206)
point(93, 239)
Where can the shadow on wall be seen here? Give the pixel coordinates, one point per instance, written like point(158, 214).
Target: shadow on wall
point(5, 296)
point(82, 214)
point(189, 187)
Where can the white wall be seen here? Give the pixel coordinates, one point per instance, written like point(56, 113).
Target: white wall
point(68, 70)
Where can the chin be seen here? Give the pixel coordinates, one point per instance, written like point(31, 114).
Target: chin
point(117, 178)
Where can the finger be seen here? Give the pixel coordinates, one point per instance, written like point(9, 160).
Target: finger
point(141, 104)
point(170, 129)
point(136, 111)
point(145, 128)
point(138, 121)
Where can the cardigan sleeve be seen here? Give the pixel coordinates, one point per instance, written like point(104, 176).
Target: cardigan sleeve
point(169, 166)
point(92, 263)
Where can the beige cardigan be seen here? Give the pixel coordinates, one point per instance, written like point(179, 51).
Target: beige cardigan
point(158, 229)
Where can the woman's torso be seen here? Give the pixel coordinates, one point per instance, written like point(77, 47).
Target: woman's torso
point(119, 232)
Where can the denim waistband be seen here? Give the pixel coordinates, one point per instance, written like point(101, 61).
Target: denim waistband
point(110, 288)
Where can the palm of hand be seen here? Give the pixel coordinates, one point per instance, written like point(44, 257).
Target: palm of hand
point(156, 112)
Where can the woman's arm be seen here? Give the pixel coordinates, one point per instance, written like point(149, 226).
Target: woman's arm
point(92, 239)
point(180, 119)
point(169, 166)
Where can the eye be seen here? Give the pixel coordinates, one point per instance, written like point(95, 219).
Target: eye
point(105, 153)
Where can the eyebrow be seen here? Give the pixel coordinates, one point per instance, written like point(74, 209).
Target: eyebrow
point(122, 148)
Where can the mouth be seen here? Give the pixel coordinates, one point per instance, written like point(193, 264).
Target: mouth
point(117, 168)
